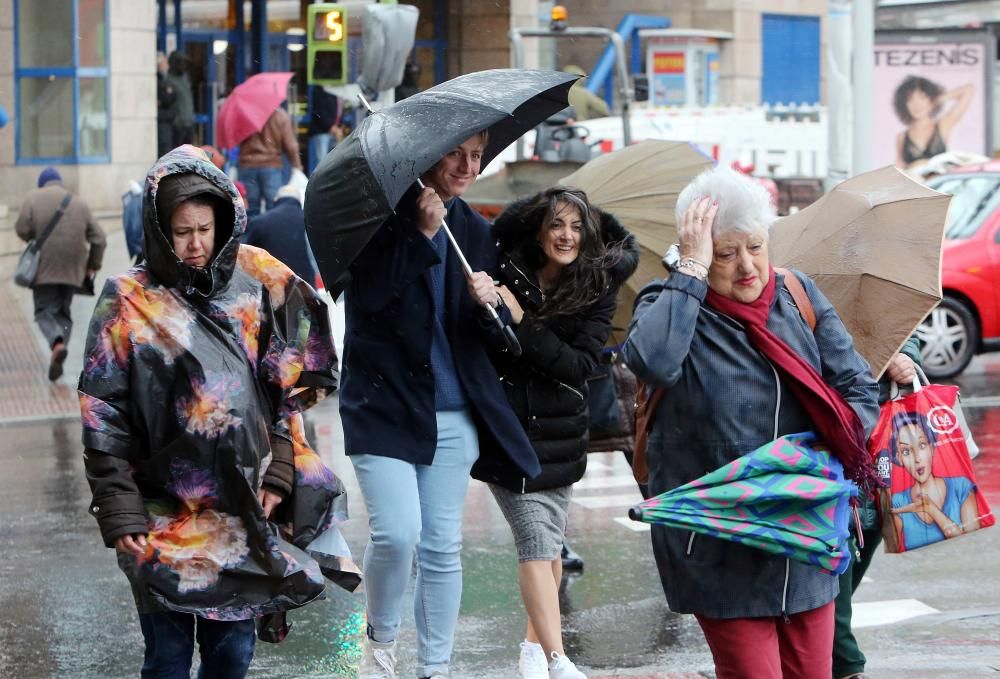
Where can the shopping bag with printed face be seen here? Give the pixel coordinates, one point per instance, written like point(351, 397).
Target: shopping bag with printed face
point(929, 491)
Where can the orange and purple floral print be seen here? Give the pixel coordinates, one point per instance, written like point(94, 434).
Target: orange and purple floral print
point(187, 385)
point(94, 412)
point(309, 468)
point(267, 269)
point(208, 411)
point(196, 542)
point(139, 316)
point(245, 311)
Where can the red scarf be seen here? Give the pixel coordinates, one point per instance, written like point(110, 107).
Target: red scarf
point(835, 420)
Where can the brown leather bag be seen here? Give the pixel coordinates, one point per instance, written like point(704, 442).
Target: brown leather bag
point(648, 400)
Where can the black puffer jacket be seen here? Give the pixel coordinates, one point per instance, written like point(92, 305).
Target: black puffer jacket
point(547, 385)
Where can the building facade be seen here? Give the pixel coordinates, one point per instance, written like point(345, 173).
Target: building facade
point(77, 78)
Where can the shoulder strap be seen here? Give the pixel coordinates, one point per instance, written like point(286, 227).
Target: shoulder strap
point(798, 292)
point(55, 220)
point(648, 400)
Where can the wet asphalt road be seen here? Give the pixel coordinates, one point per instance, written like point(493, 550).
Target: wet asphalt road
point(65, 609)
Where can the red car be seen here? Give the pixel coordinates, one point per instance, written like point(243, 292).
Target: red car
point(967, 322)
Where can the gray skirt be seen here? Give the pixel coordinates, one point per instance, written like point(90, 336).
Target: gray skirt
point(537, 520)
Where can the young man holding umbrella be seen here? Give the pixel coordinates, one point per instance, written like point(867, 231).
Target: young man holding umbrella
point(418, 392)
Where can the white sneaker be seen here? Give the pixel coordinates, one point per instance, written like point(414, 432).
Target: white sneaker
point(562, 667)
point(532, 664)
point(378, 660)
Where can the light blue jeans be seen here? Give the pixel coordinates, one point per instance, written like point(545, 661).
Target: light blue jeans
point(418, 507)
point(319, 146)
point(262, 183)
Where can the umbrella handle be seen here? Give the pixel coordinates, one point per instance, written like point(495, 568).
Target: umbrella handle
point(513, 346)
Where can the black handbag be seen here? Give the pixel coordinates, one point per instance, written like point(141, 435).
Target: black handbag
point(27, 264)
point(87, 287)
point(612, 405)
point(603, 401)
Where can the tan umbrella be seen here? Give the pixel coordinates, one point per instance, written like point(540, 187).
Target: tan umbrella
point(639, 185)
point(873, 246)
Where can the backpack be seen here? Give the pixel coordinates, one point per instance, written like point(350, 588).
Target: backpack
point(132, 219)
point(648, 400)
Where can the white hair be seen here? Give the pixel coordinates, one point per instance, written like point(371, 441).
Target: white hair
point(744, 205)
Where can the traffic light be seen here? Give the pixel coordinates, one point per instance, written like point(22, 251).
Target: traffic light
point(327, 44)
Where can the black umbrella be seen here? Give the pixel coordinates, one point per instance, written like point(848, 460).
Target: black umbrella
point(358, 185)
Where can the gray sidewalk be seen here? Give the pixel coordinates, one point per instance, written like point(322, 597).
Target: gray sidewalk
point(25, 391)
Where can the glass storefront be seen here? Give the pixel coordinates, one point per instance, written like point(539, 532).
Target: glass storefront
point(45, 29)
point(92, 119)
point(61, 77)
point(45, 117)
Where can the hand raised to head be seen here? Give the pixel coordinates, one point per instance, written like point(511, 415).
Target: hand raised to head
point(695, 230)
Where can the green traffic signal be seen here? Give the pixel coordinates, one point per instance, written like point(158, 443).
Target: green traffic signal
point(327, 44)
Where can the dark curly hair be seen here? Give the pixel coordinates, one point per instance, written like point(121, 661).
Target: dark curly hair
point(584, 281)
point(912, 84)
point(907, 419)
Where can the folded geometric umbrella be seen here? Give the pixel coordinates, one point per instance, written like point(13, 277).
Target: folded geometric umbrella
point(789, 497)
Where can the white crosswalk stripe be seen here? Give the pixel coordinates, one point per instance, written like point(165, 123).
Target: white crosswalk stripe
point(595, 466)
point(623, 500)
point(874, 613)
point(608, 484)
point(636, 526)
point(602, 482)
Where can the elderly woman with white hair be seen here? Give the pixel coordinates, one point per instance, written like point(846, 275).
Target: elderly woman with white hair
point(741, 366)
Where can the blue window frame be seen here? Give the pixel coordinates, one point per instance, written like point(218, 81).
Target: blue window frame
point(62, 94)
point(791, 59)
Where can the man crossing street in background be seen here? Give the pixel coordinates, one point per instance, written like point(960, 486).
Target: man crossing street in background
point(71, 253)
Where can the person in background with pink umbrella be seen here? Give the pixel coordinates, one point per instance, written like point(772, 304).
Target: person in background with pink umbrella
point(253, 118)
point(260, 160)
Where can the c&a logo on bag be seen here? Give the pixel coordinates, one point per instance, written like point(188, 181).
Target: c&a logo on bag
point(942, 419)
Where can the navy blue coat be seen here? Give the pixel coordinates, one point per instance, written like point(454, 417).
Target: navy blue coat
point(387, 387)
point(282, 232)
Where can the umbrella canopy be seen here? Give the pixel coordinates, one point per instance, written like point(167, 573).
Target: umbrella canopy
point(873, 246)
point(788, 497)
point(249, 105)
point(358, 184)
point(639, 185)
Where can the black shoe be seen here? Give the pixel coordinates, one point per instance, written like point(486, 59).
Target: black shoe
point(571, 560)
point(56, 360)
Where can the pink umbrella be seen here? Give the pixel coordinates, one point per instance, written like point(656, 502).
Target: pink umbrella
point(249, 105)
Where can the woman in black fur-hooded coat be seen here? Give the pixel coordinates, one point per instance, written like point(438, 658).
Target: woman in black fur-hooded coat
point(561, 264)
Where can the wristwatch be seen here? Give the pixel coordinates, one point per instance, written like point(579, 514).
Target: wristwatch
point(672, 259)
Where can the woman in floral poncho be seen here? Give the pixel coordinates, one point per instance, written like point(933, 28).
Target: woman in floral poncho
point(198, 364)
